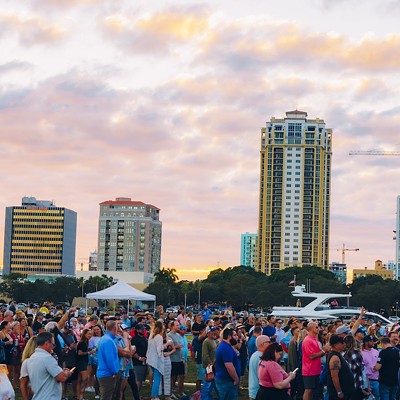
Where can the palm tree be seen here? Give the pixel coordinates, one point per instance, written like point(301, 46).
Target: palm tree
point(166, 275)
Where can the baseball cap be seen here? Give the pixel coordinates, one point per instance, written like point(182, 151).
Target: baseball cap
point(368, 338)
point(123, 327)
point(139, 327)
point(40, 314)
point(342, 329)
point(211, 329)
point(183, 328)
point(335, 339)
point(68, 326)
point(93, 316)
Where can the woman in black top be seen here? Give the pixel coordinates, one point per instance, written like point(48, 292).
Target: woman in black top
point(82, 359)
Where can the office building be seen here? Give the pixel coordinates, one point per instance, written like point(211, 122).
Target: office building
point(40, 238)
point(129, 236)
point(295, 180)
point(248, 249)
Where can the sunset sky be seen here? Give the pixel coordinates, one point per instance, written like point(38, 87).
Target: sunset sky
point(163, 102)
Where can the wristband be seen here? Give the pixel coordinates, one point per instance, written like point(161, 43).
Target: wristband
point(339, 393)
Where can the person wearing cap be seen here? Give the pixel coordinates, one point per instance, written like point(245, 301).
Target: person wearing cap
point(139, 358)
point(388, 366)
point(39, 321)
point(343, 331)
point(340, 380)
point(370, 357)
point(262, 343)
point(125, 354)
point(69, 343)
point(208, 350)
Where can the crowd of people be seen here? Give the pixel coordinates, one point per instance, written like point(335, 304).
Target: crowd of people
point(51, 352)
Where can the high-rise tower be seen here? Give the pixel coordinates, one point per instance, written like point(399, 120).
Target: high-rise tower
point(295, 177)
point(40, 238)
point(129, 236)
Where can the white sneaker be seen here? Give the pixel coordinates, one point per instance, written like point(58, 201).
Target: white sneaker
point(90, 389)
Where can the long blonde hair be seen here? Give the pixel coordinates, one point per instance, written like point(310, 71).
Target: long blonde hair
point(29, 348)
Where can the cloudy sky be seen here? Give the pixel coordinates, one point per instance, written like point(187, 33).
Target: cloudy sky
point(163, 102)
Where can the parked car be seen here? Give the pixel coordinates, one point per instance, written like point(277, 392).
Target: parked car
point(394, 318)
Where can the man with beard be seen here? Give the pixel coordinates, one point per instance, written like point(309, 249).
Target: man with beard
point(227, 366)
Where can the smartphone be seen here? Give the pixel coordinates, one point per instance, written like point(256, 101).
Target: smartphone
point(295, 370)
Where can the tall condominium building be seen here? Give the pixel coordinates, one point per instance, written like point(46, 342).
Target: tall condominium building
point(129, 236)
point(39, 238)
point(295, 180)
point(248, 249)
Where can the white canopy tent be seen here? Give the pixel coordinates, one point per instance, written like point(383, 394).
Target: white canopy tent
point(122, 291)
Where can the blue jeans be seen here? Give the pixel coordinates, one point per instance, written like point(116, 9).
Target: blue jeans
point(207, 389)
point(387, 392)
point(374, 385)
point(156, 382)
point(226, 390)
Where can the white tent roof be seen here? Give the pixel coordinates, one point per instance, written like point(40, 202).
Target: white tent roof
point(121, 291)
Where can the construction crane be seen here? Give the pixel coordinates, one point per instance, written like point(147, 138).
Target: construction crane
point(374, 153)
point(343, 250)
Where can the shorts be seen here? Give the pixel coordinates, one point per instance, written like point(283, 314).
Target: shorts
point(177, 368)
point(92, 360)
point(140, 372)
point(311, 382)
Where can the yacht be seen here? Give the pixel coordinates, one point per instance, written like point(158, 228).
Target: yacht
point(320, 308)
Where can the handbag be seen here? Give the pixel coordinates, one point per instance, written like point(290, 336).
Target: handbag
point(209, 375)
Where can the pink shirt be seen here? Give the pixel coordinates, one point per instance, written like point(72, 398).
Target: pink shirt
point(370, 358)
point(310, 346)
point(270, 372)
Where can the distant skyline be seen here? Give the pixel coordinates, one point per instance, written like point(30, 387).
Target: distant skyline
point(163, 102)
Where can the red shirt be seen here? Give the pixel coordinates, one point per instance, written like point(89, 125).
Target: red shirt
point(310, 346)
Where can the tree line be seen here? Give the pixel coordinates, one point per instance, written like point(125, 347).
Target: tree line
point(241, 287)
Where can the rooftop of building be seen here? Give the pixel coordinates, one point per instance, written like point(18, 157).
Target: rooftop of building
point(126, 201)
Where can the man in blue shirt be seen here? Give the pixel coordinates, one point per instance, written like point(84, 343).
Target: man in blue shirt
point(227, 367)
point(108, 362)
point(269, 329)
point(206, 313)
